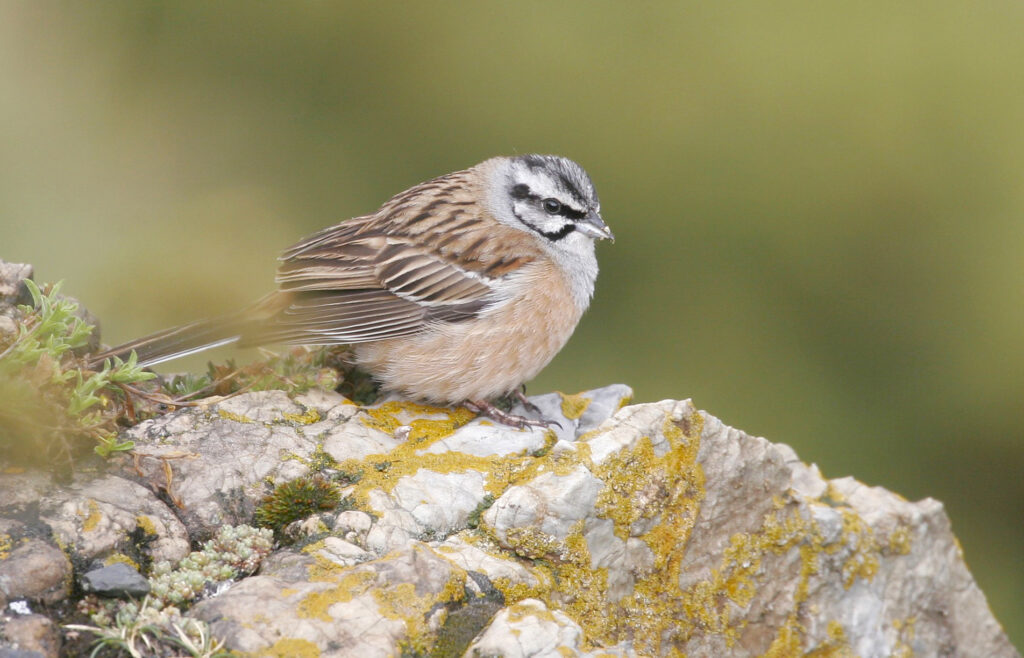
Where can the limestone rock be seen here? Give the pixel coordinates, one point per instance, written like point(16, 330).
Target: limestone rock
point(631, 530)
point(529, 628)
point(658, 530)
point(366, 610)
point(95, 517)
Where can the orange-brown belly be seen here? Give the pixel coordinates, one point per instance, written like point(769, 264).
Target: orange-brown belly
point(478, 359)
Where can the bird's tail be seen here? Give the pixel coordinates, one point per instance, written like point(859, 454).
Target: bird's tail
point(195, 337)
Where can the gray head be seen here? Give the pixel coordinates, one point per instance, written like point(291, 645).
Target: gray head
point(550, 196)
point(553, 198)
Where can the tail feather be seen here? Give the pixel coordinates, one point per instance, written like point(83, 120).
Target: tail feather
point(179, 341)
point(245, 325)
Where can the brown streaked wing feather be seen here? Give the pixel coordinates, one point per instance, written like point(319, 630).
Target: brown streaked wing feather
point(336, 318)
point(427, 255)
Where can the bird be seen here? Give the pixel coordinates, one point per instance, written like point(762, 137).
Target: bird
point(455, 291)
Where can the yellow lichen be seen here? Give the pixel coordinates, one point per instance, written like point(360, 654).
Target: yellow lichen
point(146, 524)
point(238, 418)
point(6, 543)
point(120, 557)
point(863, 561)
point(291, 647)
point(836, 646)
point(642, 488)
point(386, 418)
point(905, 631)
point(900, 540)
point(384, 470)
point(93, 517)
point(785, 645)
point(573, 406)
point(346, 587)
point(309, 417)
point(399, 601)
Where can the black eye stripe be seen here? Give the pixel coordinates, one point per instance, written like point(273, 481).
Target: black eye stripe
point(553, 236)
point(522, 191)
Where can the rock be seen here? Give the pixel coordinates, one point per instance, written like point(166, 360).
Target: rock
point(223, 457)
point(529, 628)
point(12, 287)
point(656, 531)
point(28, 636)
point(116, 580)
point(367, 610)
point(96, 517)
point(34, 570)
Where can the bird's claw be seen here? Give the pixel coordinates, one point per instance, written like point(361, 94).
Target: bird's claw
point(485, 408)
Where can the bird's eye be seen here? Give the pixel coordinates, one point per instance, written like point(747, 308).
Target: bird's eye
point(551, 206)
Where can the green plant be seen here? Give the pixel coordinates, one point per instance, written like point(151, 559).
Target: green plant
point(156, 624)
point(129, 634)
point(54, 405)
point(296, 499)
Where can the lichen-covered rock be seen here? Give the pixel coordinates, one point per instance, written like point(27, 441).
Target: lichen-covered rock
point(529, 628)
point(651, 529)
point(658, 530)
point(366, 610)
point(95, 517)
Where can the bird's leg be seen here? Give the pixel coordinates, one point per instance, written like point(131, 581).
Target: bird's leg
point(485, 408)
point(520, 395)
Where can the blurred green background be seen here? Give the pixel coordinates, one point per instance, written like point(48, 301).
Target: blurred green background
point(819, 206)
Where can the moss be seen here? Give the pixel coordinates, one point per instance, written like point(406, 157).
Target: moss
point(474, 517)
point(573, 406)
point(296, 499)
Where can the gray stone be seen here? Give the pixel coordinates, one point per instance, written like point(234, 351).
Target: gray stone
point(115, 580)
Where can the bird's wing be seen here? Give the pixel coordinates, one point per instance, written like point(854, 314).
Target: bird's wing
point(379, 277)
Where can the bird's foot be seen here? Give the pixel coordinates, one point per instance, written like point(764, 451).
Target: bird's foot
point(488, 410)
point(520, 396)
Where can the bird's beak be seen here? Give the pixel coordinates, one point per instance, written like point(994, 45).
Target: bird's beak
point(593, 226)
